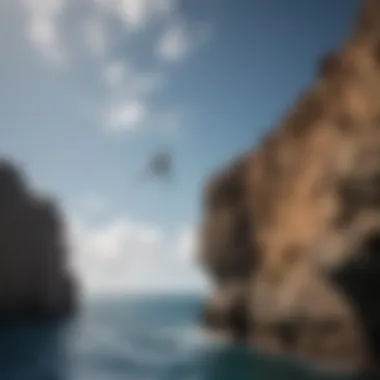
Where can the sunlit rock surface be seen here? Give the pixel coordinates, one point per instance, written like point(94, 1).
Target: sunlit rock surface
point(296, 221)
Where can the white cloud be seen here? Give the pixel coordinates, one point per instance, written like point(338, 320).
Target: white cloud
point(177, 42)
point(174, 44)
point(187, 245)
point(42, 28)
point(130, 90)
point(128, 116)
point(137, 14)
point(95, 36)
point(128, 256)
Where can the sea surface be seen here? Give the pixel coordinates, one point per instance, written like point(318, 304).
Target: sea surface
point(135, 338)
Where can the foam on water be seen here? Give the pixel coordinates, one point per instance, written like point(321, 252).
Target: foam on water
point(188, 337)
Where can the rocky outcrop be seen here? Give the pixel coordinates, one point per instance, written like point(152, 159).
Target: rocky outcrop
point(226, 313)
point(296, 222)
point(226, 226)
point(34, 277)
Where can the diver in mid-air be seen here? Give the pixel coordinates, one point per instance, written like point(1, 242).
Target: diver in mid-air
point(160, 166)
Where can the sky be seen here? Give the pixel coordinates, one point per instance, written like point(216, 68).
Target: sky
point(90, 89)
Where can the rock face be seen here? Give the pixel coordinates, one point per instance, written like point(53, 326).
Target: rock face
point(294, 226)
point(34, 279)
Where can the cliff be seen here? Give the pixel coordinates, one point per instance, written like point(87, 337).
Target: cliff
point(291, 230)
point(34, 278)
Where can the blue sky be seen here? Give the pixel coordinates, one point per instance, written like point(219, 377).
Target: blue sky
point(89, 89)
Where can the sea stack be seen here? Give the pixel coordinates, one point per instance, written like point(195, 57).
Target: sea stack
point(35, 280)
point(293, 226)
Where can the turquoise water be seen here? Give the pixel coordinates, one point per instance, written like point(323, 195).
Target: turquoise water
point(148, 338)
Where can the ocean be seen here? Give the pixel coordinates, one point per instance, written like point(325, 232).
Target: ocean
point(135, 338)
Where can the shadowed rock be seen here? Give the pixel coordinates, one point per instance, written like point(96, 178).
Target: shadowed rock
point(226, 313)
point(226, 250)
point(34, 276)
point(310, 199)
point(226, 247)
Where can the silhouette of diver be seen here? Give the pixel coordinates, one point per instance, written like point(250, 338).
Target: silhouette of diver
point(160, 166)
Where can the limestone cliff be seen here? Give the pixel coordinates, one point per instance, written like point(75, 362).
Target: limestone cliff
point(34, 278)
point(295, 224)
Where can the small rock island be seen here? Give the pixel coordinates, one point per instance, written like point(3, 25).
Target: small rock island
point(291, 229)
point(35, 280)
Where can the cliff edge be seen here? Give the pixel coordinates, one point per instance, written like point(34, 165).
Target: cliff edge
point(291, 231)
point(35, 281)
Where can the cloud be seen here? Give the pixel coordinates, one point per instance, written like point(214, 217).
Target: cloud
point(177, 42)
point(124, 255)
point(187, 245)
point(95, 36)
point(128, 116)
point(42, 29)
point(130, 90)
point(138, 14)
point(45, 35)
point(174, 44)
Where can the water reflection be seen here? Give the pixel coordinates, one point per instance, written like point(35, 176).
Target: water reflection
point(41, 352)
point(241, 364)
point(33, 351)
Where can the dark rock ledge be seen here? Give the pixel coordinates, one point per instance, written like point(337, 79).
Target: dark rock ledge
point(35, 280)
